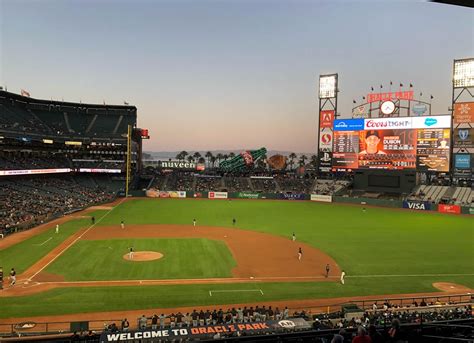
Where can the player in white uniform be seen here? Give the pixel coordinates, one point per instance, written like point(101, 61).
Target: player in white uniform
point(343, 274)
point(57, 228)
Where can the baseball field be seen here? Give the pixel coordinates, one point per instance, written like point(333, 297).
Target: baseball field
point(88, 268)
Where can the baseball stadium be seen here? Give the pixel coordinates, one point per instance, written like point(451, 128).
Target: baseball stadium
point(368, 239)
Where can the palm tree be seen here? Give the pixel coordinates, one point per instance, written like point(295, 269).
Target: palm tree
point(182, 155)
point(219, 157)
point(292, 157)
point(196, 155)
point(302, 160)
point(190, 159)
point(213, 160)
point(231, 155)
point(225, 157)
point(314, 160)
point(208, 156)
point(201, 160)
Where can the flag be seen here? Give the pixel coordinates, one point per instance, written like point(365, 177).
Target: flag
point(372, 88)
point(391, 83)
point(411, 85)
point(431, 97)
point(354, 101)
point(24, 93)
point(125, 103)
point(401, 84)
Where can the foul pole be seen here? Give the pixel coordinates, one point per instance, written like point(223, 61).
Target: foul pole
point(129, 158)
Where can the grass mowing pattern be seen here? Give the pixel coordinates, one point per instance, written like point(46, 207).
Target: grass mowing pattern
point(183, 258)
point(378, 241)
point(23, 255)
point(97, 299)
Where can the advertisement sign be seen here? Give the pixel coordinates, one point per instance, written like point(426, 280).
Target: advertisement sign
point(325, 140)
point(291, 196)
point(99, 170)
point(431, 122)
point(326, 119)
point(417, 205)
point(419, 109)
point(387, 123)
point(348, 124)
point(34, 171)
point(203, 332)
point(247, 195)
point(463, 113)
point(181, 165)
point(462, 161)
point(325, 161)
point(471, 210)
point(456, 209)
point(463, 138)
point(217, 195)
point(321, 198)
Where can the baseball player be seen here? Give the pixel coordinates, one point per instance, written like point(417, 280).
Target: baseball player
point(343, 274)
point(233, 221)
point(327, 270)
point(1, 278)
point(293, 237)
point(300, 254)
point(12, 277)
point(122, 224)
point(57, 228)
point(93, 220)
point(194, 222)
point(130, 254)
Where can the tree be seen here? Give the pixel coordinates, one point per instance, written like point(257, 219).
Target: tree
point(213, 160)
point(190, 159)
point(302, 160)
point(182, 155)
point(219, 157)
point(314, 160)
point(231, 155)
point(292, 157)
point(208, 156)
point(225, 157)
point(201, 160)
point(196, 155)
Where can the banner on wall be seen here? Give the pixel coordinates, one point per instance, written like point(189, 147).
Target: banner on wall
point(202, 332)
point(321, 198)
point(291, 196)
point(417, 205)
point(34, 171)
point(456, 209)
point(463, 138)
point(217, 195)
point(247, 195)
point(463, 112)
point(154, 193)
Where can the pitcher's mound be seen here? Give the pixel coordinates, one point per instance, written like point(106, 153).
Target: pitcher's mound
point(451, 287)
point(143, 256)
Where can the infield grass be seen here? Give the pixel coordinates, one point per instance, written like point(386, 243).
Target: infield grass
point(182, 259)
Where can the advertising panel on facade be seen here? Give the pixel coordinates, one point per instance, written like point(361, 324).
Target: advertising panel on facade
point(463, 113)
point(463, 138)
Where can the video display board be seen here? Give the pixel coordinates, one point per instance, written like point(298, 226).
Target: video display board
point(420, 143)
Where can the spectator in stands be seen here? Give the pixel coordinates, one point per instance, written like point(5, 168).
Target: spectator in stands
point(394, 332)
point(361, 336)
point(375, 336)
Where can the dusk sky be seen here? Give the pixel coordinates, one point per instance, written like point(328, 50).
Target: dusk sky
point(208, 75)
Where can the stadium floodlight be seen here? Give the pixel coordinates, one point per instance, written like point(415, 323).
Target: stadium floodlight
point(463, 74)
point(327, 86)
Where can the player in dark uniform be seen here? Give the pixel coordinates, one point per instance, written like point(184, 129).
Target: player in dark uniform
point(93, 220)
point(1, 277)
point(12, 277)
point(327, 270)
point(233, 221)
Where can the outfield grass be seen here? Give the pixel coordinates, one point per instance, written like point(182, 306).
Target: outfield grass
point(182, 259)
point(378, 241)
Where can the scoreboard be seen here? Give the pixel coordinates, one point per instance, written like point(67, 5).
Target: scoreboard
point(420, 143)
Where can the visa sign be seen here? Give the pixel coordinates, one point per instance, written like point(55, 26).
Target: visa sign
point(417, 205)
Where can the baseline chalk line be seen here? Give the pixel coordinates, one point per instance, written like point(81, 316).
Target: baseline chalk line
point(46, 241)
point(234, 290)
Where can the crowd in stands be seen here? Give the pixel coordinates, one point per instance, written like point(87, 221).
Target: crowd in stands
point(29, 201)
point(237, 184)
point(208, 184)
point(329, 187)
point(295, 184)
point(264, 185)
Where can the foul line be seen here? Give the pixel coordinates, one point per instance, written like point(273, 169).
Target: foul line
point(74, 241)
point(235, 290)
point(50, 238)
